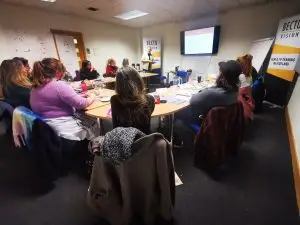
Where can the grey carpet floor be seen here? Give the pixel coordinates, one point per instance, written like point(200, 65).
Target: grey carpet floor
point(255, 189)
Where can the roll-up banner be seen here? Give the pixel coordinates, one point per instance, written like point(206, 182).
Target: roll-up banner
point(285, 55)
point(284, 64)
point(152, 52)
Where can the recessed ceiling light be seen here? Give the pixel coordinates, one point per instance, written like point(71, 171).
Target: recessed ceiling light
point(131, 15)
point(51, 1)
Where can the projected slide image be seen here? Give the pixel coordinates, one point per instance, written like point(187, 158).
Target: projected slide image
point(199, 41)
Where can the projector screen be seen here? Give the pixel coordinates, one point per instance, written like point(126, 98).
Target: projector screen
point(201, 41)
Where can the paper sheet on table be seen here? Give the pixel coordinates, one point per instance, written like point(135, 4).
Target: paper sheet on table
point(161, 90)
point(178, 181)
point(174, 99)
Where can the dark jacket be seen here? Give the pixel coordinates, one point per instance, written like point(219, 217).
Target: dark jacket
point(47, 150)
point(129, 115)
point(221, 134)
point(142, 186)
point(88, 75)
point(17, 95)
point(6, 112)
point(41, 141)
point(202, 102)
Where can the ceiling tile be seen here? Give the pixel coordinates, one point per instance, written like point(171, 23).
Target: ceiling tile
point(160, 11)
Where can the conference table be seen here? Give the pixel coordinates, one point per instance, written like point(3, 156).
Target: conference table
point(109, 81)
point(177, 98)
point(145, 75)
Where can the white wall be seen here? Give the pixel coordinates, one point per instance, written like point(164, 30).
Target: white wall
point(239, 28)
point(294, 109)
point(111, 40)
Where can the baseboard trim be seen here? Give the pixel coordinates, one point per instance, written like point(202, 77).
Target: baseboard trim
point(295, 161)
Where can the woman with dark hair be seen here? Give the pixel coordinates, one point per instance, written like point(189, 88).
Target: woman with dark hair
point(87, 71)
point(224, 93)
point(56, 101)
point(15, 83)
point(131, 107)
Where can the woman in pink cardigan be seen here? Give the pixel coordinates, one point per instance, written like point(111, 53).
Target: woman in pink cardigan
point(56, 101)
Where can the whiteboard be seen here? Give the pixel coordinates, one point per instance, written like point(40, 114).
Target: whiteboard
point(259, 51)
point(198, 64)
point(33, 45)
point(67, 53)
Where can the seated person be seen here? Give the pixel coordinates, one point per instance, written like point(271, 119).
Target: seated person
point(87, 71)
point(246, 66)
point(62, 73)
point(15, 83)
point(111, 68)
point(55, 101)
point(246, 79)
point(125, 63)
point(131, 107)
point(223, 94)
point(25, 64)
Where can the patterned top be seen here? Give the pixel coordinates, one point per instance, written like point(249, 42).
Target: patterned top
point(115, 146)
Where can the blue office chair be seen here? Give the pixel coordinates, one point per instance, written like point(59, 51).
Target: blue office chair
point(196, 127)
point(183, 75)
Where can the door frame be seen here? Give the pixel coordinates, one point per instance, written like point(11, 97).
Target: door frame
point(77, 35)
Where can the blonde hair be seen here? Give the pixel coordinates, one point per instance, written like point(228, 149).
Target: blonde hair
point(12, 72)
point(110, 61)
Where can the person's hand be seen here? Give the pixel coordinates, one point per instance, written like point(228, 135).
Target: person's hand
point(92, 95)
point(91, 99)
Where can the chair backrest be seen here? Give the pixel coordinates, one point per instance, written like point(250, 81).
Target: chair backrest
point(23, 119)
point(6, 113)
point(41, 140)
point(156, 184)
point(6, 109)
point(77, 77)
point(245, 96)
point(221, 134)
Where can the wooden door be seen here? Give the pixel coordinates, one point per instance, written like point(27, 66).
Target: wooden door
point(78, 41)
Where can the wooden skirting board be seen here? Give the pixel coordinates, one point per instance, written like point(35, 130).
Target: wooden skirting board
point(295, 160)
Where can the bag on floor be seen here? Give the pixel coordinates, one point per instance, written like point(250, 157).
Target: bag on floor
point(258, 94)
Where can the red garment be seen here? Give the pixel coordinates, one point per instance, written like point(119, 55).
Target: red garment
point(111, 71)
point(245, 96)
point(221, 134)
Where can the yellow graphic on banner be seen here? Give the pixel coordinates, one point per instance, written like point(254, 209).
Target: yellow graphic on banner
point(283, 74)
point(281, 49)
